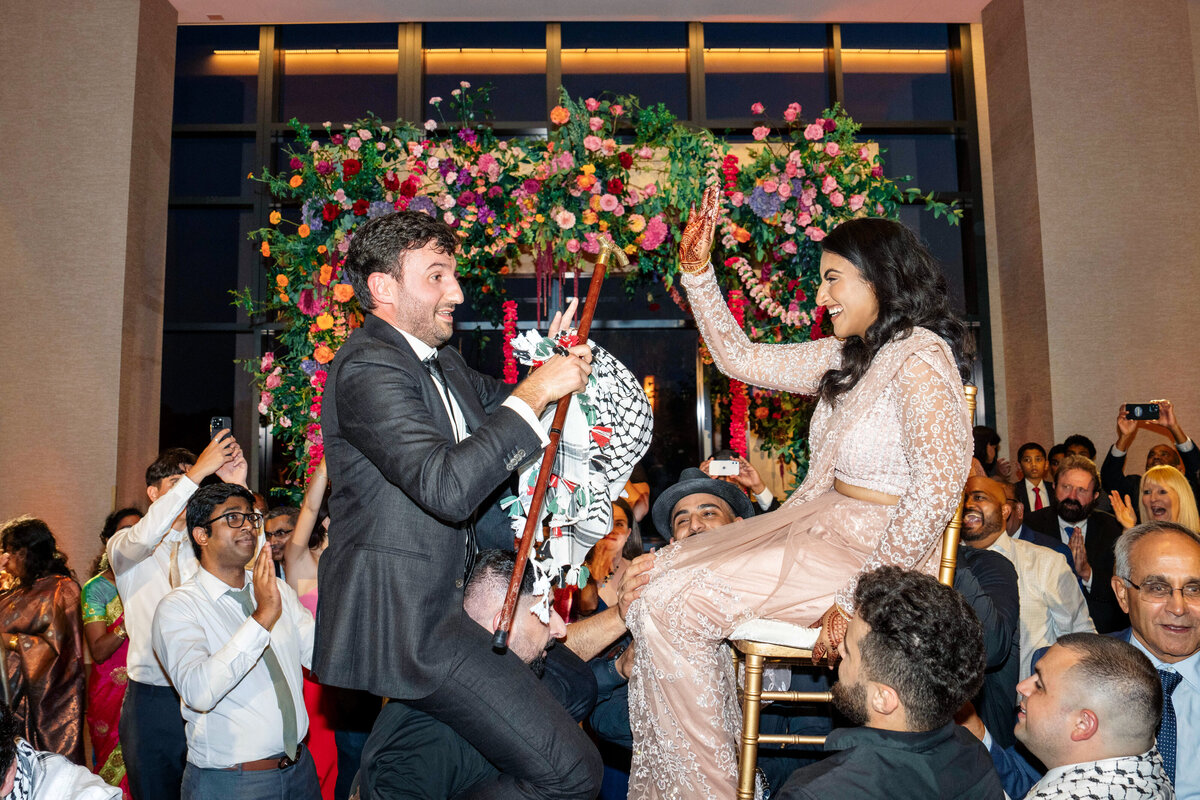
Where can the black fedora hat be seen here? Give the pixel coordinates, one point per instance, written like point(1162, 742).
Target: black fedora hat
point(693, 481)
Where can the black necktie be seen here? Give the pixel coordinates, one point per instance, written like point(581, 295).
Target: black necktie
point(435, 369)
point(1166, 727)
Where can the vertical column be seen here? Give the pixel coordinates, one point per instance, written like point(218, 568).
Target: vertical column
point(83, 227)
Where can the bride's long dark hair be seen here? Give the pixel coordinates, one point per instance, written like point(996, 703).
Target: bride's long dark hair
point(909, 287)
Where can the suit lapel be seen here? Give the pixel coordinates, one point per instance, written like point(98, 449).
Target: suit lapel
point(384, 332)
point(460, 386)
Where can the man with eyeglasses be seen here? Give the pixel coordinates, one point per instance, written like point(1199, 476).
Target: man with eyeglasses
point(233, 643)
point(278, 524)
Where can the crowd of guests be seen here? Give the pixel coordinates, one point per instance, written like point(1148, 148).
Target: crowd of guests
point(1065, 665)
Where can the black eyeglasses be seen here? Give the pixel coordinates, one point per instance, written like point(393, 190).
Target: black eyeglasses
point(1159, 592)
point(236, 519)
point(282, 533)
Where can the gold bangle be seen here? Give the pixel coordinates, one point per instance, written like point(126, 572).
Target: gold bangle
point(694, 268)
point(844, 615)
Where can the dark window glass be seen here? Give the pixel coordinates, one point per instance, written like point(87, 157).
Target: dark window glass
point(930, 160)
point(212, 167)
point(897, 72)
point(199, 377)
point(204, 249)
point(511, 56)
point(945, 243)
point(338, 73)
point(216, 74)
point(775, 65)
point(603, 59)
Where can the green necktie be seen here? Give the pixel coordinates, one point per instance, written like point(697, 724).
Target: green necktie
point(283, 695)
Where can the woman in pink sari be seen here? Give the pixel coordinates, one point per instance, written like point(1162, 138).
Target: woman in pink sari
point(104, 629)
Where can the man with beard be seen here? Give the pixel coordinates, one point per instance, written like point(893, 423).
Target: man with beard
point(1051, 602)
point(409, 753)
point(1089, 533)
point(912, 655)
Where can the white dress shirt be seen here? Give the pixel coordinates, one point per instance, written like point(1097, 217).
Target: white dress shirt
point(213, 653)
point(1186, 699)
point(518, 405)
point(1051, 603)
point(140, 556)
point(1041, 489)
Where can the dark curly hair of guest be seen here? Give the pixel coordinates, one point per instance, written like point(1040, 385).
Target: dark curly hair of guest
point(909, 287)
point(925, 642)
point(33, 536)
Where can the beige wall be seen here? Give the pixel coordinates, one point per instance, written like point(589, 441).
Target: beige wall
point(1093, 120)
point(86, 124)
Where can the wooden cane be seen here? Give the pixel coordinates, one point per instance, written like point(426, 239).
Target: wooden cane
point(534, 519)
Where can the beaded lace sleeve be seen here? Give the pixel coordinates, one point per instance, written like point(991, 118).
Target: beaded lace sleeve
point(937, 447)
point(790, 367)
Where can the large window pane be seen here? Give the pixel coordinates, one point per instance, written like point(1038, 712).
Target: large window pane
point(773, 64)
point(204, 249)
point(198, 381)
point(930, 160)
point(945, 243)
point(216, 74)
point(897, 72)
point(212, 166)
point(509, 55)
point(645, 59)
point(338, 73)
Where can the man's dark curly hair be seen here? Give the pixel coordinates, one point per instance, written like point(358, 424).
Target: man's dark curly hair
point(381, 245)
point(172, 461)
point(909, 287)
point(202, 504)
point(925, 642)
point(9, 731)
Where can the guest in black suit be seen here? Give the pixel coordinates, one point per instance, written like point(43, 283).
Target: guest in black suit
point(1089, 533)
point(1184, 455)
point(1033, 491)
point(415, 440)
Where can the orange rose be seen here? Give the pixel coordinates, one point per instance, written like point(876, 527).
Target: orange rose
point(295, 181)
point(266, 249)
point(342, 292)
point(325, 321)
point(559, 115)
point(304, 231)
point(741, 234)
point(281, 280)
point(323, 355)
point(326, 274)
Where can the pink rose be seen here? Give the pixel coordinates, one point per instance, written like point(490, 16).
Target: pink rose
point(591, 143)
point(737, 198)
point(856, 201)
point(757, 108)
point(646, 152)
point(790, 170)
point(609, 146)
point(769, 186)
point(760, 133)
point(591, 104)
point(268, 360)
point(837, 199)
point(595, 123)
point(608, 202)
point(816, 234)
point(829, 184)
point(354, 143)
point(273, 380)
point(789, 247)
point(573, 244)
point(651, 190)
point(803, 218)
point(616, 110)
point(865, 154)
point(785, 189)
point(832, 149)
point(792, 112)
point(365, 134)
point(814, 133)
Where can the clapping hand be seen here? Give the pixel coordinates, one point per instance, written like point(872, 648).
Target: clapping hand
point(1079, 553)
point(1123, 509)
point(695, 244)
point(266, 591)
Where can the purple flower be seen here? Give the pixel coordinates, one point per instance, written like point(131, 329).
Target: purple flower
point(310, 214)
point(424, 204)
point(467, 135)
point(379, 208)
point(446, 166)
point(765, 204)
point(464, 177)
point(486, 215)
point(309, 366)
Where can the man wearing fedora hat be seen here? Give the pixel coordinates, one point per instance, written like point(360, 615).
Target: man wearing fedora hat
point(698, 503)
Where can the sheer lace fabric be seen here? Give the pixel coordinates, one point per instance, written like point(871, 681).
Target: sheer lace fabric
point(902, 430)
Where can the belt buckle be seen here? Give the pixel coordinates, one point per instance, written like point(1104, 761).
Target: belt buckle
point(285, 761)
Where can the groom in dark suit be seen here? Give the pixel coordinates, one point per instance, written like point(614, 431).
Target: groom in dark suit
point(416, 442)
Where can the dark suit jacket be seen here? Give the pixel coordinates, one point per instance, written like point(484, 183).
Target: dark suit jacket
point(390, 618)
point(988, 581)
point(1103, 530)
point(1112, 476)
point(1022, 492)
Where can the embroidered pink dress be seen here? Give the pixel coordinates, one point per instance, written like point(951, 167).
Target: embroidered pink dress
point(902, 430)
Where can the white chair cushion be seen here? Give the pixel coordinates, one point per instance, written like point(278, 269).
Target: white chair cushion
point(771, 631)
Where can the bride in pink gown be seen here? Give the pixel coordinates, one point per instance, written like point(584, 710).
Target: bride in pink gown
point(891, 447)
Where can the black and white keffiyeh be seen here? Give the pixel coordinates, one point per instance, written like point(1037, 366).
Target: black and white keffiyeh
point(1125, 778)
point(607, 431)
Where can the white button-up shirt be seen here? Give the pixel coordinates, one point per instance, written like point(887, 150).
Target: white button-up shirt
point(1186, 699)
point(213, 653)
point(140, 556)
point(1051, 603)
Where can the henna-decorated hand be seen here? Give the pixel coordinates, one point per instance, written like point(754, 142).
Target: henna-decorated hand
point(696, 242)
point(833, 630)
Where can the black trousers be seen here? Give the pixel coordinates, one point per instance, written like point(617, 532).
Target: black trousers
point(153, 741)
point(497, 704)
